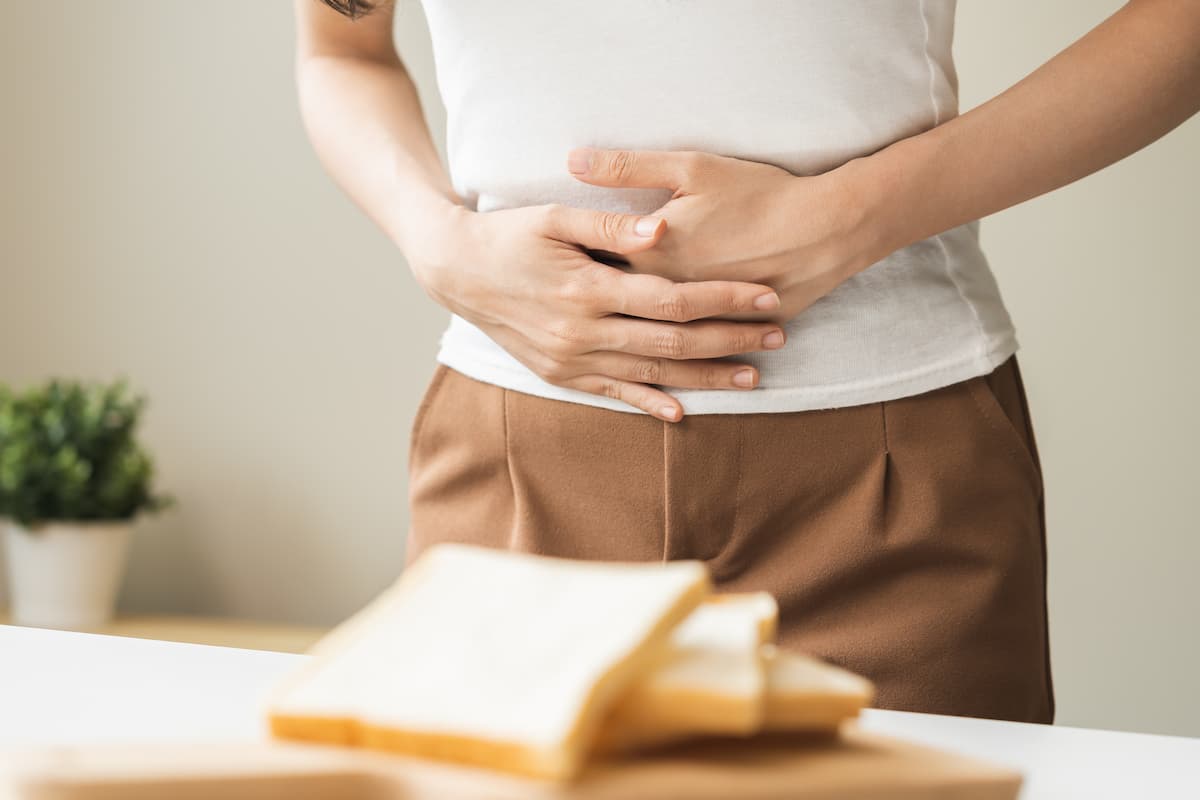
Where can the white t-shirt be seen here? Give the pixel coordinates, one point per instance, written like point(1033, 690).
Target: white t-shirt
point(805, 85)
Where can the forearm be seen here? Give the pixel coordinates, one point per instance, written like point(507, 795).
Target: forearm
point(365, 121)
point(1126, 83)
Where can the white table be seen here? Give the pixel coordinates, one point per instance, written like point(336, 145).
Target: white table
point(76, 688)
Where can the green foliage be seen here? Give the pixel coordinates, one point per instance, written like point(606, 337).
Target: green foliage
point(68, 452)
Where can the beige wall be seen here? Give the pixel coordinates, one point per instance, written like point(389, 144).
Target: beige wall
point(164, 218)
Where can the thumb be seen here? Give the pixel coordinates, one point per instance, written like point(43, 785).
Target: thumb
point(603, 230)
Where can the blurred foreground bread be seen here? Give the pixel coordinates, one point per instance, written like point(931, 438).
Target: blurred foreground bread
point(713, 680)
point(531, 664)
point(806, 694)
point(489, 657)
point(724, 676)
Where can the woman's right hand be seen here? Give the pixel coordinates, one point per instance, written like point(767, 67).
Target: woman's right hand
point(523, 277)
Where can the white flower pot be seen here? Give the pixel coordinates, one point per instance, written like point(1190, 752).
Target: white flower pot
point(65, 574)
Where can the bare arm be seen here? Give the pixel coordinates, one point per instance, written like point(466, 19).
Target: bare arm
point(1120, 87)
point(522, 275)
point(365, 120)
point(1126, 83)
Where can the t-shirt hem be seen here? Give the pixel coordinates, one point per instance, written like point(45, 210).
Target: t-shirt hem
point(759, 400)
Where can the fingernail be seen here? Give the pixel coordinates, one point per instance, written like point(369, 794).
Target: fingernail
point(670, 412)
point(773, 339)
point(767, 301)
point(646, 226)
point(579, 161)
point(744, 377)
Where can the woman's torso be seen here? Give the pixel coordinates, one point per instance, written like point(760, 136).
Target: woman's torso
point(802, 84)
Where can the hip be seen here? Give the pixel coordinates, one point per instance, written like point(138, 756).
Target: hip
point(903, 539)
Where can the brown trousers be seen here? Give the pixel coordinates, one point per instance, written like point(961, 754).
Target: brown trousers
point(904, 540)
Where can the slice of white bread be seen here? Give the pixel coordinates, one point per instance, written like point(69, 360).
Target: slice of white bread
point(705, 689)
point(712, 681)
point(489, 657)
point(807, 694)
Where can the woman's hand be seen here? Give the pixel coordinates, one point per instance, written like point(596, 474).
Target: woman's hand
point(523, 277)
point(731, 219)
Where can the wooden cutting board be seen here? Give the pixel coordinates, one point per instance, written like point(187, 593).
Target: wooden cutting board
point(853, 766)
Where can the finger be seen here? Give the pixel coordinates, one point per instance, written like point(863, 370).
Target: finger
point(686, 374)
point(602, 230)
point(701, 339)
point(642, 294)
point(639, 395)
point(668, 169)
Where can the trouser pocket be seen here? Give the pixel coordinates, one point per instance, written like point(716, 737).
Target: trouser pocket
point(431, 390)
point(999, 397)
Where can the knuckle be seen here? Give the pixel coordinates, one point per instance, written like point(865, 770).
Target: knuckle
point(621, 165)
point(550, 367)
point(620, 337)
point(727, 298)
point(551, 216)
point(608, 225)
point(694, 164)
point(675, 306)
point(648, 370)
point(611, 388)
point(749, 340)
point(554, 371)
point(564, 330)
point(583, 287)
point(672, 344)
point(737, 341)
point(711, 376)
point(559, 350)
point(553, 347)
point(574, 291)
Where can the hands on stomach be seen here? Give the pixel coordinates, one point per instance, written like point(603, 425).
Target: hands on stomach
point(524, 277)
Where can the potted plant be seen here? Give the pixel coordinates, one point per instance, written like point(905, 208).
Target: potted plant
point(73, 477)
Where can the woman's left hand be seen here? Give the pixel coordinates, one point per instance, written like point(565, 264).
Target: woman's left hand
point(732, 219)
